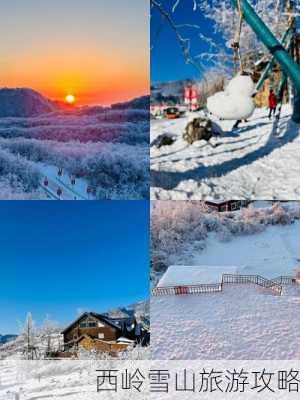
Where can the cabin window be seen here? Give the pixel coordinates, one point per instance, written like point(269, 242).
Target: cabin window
point(83, 325)
point(100, 335)
point(234, 206)
point(92, 324)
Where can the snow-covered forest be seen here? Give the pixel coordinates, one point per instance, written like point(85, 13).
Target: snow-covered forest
point(105, 149)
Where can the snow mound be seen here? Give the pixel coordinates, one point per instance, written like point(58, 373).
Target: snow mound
point(241, 85)
point(22, 102)
point(235, 102)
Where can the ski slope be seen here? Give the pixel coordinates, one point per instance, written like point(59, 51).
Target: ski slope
point(271, 253)
point(258, 160)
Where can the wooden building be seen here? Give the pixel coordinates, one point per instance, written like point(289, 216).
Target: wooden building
point(92, 331)
point(227, 205)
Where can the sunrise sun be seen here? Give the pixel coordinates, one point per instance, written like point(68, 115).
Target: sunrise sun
point(70, 99)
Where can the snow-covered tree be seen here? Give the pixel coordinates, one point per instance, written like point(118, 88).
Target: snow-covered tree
point(226, 22)
point(29, 333)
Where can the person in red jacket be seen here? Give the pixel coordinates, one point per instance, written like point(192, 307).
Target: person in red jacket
point(272, 103)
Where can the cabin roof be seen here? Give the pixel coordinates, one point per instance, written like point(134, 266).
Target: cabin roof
point(177, 275)
point(220, 202)
point(99, 317)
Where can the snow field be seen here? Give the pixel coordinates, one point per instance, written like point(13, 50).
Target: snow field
point(243, 322)
point(256, 161)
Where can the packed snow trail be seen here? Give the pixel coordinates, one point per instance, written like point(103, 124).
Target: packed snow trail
point(259, 160)
point(52, 188)
point(55, 182)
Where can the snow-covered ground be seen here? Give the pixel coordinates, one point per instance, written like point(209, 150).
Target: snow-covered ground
point(256, 161)
point(64, 379)
point(32, 380)
point(242, 322)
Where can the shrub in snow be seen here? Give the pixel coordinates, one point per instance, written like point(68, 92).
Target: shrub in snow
point(11, 188)
point(235, 102)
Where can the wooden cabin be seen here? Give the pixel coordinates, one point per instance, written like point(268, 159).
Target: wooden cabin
point(227, 205)
point(92, 331)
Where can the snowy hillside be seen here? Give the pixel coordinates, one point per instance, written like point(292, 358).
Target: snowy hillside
point(258, 161)
point(271, 253)
point(23, 102)
point(14, 349)
point(105, 149)
point(6, 338)
point(189, 233)
point(240, 321)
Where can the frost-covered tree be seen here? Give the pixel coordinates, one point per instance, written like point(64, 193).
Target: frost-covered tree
point(48, 329)
point(29, 333)
point(226, 23)
point(179, 230)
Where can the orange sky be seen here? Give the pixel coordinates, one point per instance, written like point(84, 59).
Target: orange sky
point(92, 52)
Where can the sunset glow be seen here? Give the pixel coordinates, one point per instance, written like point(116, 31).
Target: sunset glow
point(105, 61)
point(70, 99)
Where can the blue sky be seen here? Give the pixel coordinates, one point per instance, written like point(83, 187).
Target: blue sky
point(59, 257)
point(167, 62)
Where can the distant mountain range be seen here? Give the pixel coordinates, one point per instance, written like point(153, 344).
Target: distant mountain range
point(23, 103)
point(7, 338)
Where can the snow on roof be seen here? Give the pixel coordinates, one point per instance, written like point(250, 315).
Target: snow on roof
point(123, 339)
point(177, 275)
point(217, 202)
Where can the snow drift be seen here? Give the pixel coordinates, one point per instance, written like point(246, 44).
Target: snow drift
point(22, 102)
point(235, 102)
